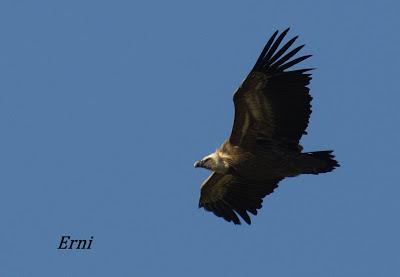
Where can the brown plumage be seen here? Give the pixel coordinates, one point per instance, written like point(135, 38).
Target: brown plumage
point(272, 109)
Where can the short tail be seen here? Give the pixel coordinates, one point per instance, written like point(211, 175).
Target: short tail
point(318, 162)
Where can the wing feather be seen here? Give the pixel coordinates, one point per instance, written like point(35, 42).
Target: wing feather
point(275, 46)
point(287, 56)
point(282, 50)
point(228, 196)
point(265, 50)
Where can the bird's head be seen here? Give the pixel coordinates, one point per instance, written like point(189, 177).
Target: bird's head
point(207, 162)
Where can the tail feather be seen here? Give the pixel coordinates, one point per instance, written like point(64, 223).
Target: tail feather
point(318, 162)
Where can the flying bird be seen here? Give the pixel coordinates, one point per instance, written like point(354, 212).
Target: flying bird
point(272, 110)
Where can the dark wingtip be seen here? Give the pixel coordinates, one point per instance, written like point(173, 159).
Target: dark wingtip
point(286, 30)
point(294, 62)
point(275, 59)
point(311, 68)
point(265, 50)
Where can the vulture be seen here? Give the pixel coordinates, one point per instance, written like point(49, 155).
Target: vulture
point(272, 110)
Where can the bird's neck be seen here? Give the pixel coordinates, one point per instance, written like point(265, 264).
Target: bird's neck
point(219, 166)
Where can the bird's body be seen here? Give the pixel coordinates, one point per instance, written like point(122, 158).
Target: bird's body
point(272, 109)
point(263, 162)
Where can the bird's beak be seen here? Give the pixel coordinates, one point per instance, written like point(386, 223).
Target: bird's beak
point(197, 164)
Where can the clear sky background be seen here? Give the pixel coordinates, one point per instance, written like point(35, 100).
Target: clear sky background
point(105, 105)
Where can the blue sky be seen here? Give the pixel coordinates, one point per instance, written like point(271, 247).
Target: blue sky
point(105, 105)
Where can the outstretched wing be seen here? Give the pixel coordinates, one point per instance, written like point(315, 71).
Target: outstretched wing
point(273, 102)
point(228, 196)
